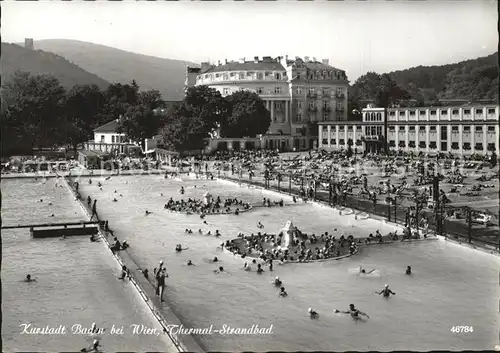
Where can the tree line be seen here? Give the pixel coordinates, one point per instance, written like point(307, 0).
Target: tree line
point(38, 112)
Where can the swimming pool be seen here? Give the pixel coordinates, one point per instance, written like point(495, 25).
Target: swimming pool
point(451, 285)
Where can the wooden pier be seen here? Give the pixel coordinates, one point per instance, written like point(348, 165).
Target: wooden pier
point(51, 230)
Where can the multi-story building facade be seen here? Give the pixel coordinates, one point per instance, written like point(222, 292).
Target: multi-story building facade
point(298, 93)
point(459, 129)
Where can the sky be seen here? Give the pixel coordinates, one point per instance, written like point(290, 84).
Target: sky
point(356, 36)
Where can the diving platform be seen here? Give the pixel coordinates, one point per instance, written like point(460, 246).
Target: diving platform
point(55, 230)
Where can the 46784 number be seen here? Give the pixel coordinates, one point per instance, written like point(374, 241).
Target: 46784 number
point(462, 329)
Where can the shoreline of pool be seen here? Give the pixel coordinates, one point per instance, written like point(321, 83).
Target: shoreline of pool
point(164, 316)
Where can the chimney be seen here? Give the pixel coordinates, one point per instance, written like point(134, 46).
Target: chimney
point(306, 59)
point(225, 61)
point(326, 61)
point(242, 60)
point(218, 62)
point(278, 59)
point(256, 59)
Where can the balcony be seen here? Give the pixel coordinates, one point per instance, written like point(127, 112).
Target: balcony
point(312, 109)
point(312, 95)
point(340, 95)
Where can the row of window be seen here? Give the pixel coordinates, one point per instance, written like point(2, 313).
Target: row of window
point(114, 138)
point(373, 117)
point(245, 75)
point(454, 128)
point(342, 142)
point(326, 117)
point(443, 112)
point(444, 145)
point(342, 129)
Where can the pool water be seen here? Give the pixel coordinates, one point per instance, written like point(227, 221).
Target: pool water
point(451, 285)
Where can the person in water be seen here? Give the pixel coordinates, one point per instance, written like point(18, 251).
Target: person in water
point(145, 273)
point(94, 347)
point(283, 292)
point(190, 263)
point(259, 269)
point(93, 238)
point(355, 313)
point(29, 279)
point(125, 245)
point(124, 272)
point(313, 314)
point(408, 270)
point(277, 282)
point(386, 291)
point(220, 270)
point(364, 272)
point(147, 213)
point(260, 225)
point(215, 259)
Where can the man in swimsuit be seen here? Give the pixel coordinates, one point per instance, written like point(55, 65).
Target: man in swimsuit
point(363, 271)
point(161, 283)
point(386, 291)
point(353, 312)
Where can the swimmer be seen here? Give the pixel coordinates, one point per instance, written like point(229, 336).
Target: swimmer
point(50, 203)
point(205, 222)
point(215, 259)
point(63, 236)
point(217, 234)
point(220, 270)
point(41, 200)
point(190, 263)
point(260, 225)
point(259, 269)
point(93, 238)
point(313, 314)
point(29, 279)
point(94, 347)
point(246, 267)
point(108, 178)
point(364, 272)
point(179, 248)
point(386, 291)
point(277, 282)
point(147, 213)
point(353, 312)
point(408, 270)
point(282, 292)
point(145, 272)
point(199, 231)
point(124, 273)
point(52, 215)
point(115, 200)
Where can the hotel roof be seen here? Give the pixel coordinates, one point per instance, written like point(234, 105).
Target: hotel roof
point(247, 66)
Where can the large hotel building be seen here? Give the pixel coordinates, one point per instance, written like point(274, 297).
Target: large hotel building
point(456, 129)
point(298, 93)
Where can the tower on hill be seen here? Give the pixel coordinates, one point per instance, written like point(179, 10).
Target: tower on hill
point(28, 43)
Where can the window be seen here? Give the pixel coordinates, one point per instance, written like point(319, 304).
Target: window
point(326, 91)
point(367, 130)
point(326, 116)
point(299, 117)
point(412, 112)
point(340, 91)
point(112, 138)
point(491, 146)
point(277, 90)
point(454, 128)
point(421, 128)
point(359, 128)
point(432, 145)
point(444, 146)
point(232, 74)
point(359, 142)
point(217, 75)
point(444, 132)
point(412, 128)
point(311, 105)
point(479, 112)
point(277, 76)
point(341, 129)
point(411, 144)
point(433, 128)
point(225, 77)
point(478, 147)
point(402, 144)
point(467, 146)
point(241, 75)
point(466, 129)
point(226, 91)
point(379, 117)
point(278, 105)
point(402, 128)
point(379, 130)
point(402, 113)
point(392, 113)
point(299, 90)
point(324, 141)
point(491, 129)
point(392, 143)
point(349, 128)
point(326, 104)
point(342, 142)
point(422, 144)
point(454, 112)
point(102, 138)
point(333, 142)
point(312, 91)
point(421, 112)
point(466, 111)
point(260, 90)
point(299, 104)
point(444, 112)
point(491, 111)
point(479, 129)
point(433, 112)
point(392, 128)
point(260, 76)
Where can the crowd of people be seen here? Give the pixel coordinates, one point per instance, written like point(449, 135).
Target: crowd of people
point(205, 207)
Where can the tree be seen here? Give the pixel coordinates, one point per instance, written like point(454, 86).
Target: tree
point(82, 107)
point(32, 110)
point(380, 89)
point(119, 98)
point(207, 104)
point(140, 123)
point(184, 132)
point(151, 99)
point(248, 115)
